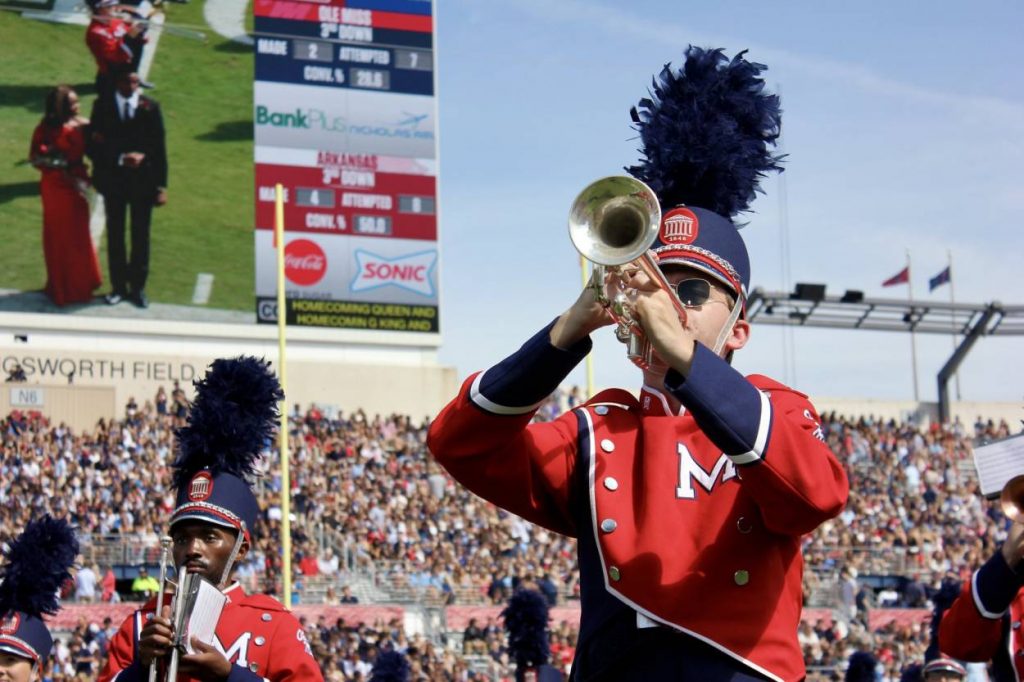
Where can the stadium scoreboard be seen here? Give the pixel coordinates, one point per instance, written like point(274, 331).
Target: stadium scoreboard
point(345, 120)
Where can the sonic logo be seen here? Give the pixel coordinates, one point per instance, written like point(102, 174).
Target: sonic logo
point(201, 487)
point(9, 625)
point(413, 272)
point(680, 226)
point(690, 470)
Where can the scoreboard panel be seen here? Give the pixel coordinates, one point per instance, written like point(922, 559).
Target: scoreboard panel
point(345, 121)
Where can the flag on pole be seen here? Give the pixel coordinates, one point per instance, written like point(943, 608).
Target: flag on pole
point(901, 277)
point(939, 279)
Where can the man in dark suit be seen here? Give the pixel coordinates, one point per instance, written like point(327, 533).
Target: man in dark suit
point(130, 159)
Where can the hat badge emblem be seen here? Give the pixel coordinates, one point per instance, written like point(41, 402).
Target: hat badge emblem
point(9, 625)
point(680, 226)
point(201, 487)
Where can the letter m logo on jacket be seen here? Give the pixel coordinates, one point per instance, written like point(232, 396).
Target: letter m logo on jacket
point(690, 470)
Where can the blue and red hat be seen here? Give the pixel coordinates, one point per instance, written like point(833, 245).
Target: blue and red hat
point(230, 423)
point(38, 563)
point(707, 130)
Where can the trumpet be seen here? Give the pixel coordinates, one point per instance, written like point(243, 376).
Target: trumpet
point(176, 608)
point(1011, 499)
point(613, 223)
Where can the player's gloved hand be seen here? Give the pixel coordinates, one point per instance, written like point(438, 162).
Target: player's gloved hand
point(206, 664)
point(1013, 548)
point(156, 637)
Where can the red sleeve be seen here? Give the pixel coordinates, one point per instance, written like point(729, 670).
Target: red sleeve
point(965, 633)
point(798, 483)
point(105, 46)
point(292, 656)
point(526, 469)
point(121, 651)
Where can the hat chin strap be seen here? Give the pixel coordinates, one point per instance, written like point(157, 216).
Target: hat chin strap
point(239, 539)
point(729, 324)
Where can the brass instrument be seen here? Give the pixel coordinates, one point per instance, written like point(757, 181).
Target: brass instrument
point(177, 606)
point(1011, 499)
point(613, 223)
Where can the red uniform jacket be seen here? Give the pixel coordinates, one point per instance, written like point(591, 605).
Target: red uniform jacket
point(105, 38)
point(985, 621)
point(255, 632)
point(697, 516)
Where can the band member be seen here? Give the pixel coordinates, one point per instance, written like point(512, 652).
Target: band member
point(690, 502)
point(526, 624)
point(231, 419)
point(984, 623)
point(37, 565)
point(113, 43)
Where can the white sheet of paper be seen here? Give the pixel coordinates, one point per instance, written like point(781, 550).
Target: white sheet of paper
point(998, 462)
point(203, 621)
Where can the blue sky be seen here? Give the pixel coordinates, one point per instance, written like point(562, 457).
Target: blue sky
point(904, 123)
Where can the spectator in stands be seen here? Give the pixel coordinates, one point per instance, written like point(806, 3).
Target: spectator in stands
point(85, 584)
point(347, 597)
point(16, 374)
point(109, 585)
point(144, 586)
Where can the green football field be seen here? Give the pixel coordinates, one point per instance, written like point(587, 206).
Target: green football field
point(205, 90)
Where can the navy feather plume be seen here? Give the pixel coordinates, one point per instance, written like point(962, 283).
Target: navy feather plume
point(526, 622)
point(706, 132)
point(233, 415)
point(37, 565)
point(390, 666)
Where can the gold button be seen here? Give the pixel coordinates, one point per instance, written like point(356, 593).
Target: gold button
point(614, 574)
point(607, 445)
point(741, 577)
point(611, 483)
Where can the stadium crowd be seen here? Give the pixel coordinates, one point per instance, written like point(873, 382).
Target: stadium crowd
point(368, 501)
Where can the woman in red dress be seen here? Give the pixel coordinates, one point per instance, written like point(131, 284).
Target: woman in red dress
point(58, 146)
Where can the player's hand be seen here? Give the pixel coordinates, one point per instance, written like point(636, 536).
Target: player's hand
point(1013, 548)
point(161, 197)
point(662, 323)
point(583, 317)
point(134, 159)
point(206, 664)
point(156, 637)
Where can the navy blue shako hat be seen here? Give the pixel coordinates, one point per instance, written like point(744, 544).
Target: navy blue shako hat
point(706, 131)
point(230, 422)
point(37, 565)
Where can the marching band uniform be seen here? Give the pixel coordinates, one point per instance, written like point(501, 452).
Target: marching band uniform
point(255, 632)
point(37, 565)
point(106, 37)
point(688, 524)
point(984, 623)
point(233, 415)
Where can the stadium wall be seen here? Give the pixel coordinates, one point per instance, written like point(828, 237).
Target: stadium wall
point(382, 372)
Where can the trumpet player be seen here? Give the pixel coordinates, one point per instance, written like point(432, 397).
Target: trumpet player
point(984, 622)
point(689, 502)
point(256, 638)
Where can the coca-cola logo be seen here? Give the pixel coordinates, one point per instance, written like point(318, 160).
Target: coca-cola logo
point(304, 262)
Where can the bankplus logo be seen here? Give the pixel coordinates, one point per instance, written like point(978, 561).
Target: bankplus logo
point(412, 272)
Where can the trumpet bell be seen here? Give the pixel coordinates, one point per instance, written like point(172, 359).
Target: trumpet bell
point(614, 220)
point(1011, 499)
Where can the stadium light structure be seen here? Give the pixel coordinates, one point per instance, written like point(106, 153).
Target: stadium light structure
point(809, 306)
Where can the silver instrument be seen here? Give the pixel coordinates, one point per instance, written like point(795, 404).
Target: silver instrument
point(165, 557)
point(178, 614)
point(613, 223)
